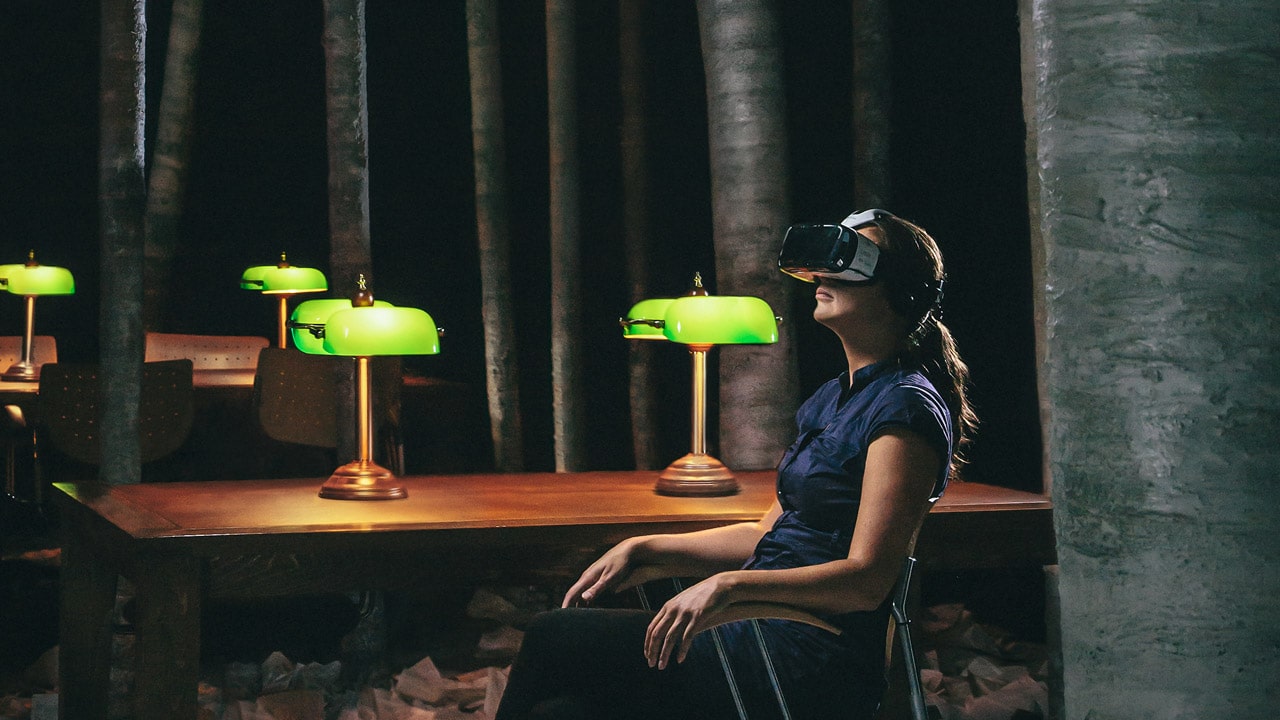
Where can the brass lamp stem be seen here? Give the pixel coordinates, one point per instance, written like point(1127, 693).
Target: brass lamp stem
point(363, 479)
point(25, 369)
point(697, 473)
point(282, 323)
point(698, 418)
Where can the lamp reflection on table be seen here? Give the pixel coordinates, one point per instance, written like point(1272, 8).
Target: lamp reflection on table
point(363, 328)
point(700, 321)
point(32, 280)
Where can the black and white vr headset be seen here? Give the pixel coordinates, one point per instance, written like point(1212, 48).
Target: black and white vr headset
point(832, 251)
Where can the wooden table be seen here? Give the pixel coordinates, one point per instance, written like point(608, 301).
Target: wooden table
point(183, 542)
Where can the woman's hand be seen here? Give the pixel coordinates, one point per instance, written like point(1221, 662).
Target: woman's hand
point(612, 571)
point(672, 630)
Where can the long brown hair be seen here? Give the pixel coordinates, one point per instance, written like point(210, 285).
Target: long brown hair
point(911, 265)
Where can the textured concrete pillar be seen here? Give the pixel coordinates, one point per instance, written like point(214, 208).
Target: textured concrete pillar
point(1158, 159)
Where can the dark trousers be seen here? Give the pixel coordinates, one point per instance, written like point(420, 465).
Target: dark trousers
point(589, 663)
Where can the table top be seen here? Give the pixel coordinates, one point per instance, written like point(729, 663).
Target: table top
point(443, 502)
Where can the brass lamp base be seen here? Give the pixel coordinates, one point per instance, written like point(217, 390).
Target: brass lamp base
point(22, 372)
point(696, 474)
point(362, 480)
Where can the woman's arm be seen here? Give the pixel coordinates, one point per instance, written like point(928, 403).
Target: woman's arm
point(637, 560)
point(898, 478)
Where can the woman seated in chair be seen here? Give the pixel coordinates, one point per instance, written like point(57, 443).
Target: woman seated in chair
point(876, 447)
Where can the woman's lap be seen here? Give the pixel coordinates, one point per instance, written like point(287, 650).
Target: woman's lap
point(591, 662)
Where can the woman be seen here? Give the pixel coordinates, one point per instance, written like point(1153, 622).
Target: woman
point(876, 447)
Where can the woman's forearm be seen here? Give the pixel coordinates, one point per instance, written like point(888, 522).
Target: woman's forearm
point(834, 587)
point(701, 552)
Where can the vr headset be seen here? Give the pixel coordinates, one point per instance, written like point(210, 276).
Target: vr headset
point(832, 251)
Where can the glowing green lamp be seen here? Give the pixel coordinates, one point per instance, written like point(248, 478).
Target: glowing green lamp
point(701, 321)
point(362, 328)
point(32, 280)
point(284, 281)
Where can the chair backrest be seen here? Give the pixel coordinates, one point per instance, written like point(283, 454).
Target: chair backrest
point(296, 396)
point(71, 401)
point(44, 349)
point(206, 352)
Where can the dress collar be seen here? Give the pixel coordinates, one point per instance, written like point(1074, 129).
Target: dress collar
point(863, 377)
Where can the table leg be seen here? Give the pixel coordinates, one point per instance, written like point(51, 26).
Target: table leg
point(86, 600)
point(167, 660)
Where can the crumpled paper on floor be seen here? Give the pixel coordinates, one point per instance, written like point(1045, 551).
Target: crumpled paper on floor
point(973, 672)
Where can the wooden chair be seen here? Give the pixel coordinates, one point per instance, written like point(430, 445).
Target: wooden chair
point(296, 399)
point(216, 359)
point(71, 400)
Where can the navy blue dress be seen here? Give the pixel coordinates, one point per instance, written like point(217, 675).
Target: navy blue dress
point(819, 488)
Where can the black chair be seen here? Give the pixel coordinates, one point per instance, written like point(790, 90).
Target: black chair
point(71, 402)
point(899, 632)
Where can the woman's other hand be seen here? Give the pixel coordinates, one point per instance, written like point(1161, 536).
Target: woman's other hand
point(672, 630)
point(612, 571)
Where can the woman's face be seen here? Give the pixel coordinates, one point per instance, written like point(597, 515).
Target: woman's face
point(844, 304)
point(850, 306)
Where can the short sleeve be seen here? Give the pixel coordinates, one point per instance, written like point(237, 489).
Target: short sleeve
point(920, 409)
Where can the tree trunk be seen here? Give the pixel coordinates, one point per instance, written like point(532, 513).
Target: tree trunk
point(872, 98)
point(121, 200)
point(635, 221)
point(490, 150)
point(1158, 168)
point(347, 135)
point(742, 56)
point(169, 161)
point(348, 145)
point(566, 283)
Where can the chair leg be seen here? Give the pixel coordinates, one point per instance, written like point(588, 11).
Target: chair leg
point(906, 648)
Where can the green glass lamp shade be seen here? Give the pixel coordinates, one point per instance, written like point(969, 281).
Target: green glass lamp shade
point(251, 278)
point(720, 320)
point(315, 313)
point(7, 270)
point(643, 320)
point(33, 280)
point(290, 280)
point(371, 331)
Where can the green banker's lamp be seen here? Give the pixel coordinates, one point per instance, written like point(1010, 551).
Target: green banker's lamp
point(700, 321)
point(362, 328)
point(32, 280)
point(284, 281)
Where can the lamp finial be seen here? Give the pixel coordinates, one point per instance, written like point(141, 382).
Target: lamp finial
point(31, 258)
point(283, 261)
point(697, 288)
point(363, 297)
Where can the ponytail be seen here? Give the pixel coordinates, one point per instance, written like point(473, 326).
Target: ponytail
point(915, 276)
point(939, 359)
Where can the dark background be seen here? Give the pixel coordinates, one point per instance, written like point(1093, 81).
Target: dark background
point(258, 182)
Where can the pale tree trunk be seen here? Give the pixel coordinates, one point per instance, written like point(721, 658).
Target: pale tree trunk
point(121, 191)
point(1158, 165)
point(635, 221)
point(758, 384)
point(347, 134)
point(566, 283)
point(872, 98)
point(490, 148)
point(348, 145)
point(167, 183)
